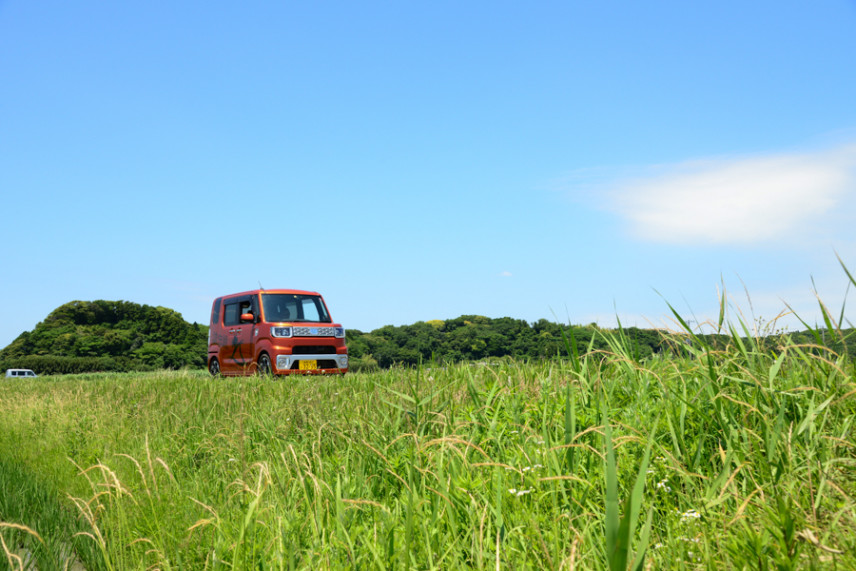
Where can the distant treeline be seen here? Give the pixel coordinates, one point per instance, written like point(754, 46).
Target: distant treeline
point(473, 337)
point(85, 336)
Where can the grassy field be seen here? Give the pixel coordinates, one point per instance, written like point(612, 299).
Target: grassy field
point(735, 459)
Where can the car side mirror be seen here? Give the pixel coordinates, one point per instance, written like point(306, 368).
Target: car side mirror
point(246, 318)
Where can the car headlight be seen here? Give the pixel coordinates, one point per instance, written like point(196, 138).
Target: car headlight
point(281, 331)
point(340, 333)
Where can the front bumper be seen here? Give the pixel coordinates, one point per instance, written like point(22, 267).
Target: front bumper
point(327, 363)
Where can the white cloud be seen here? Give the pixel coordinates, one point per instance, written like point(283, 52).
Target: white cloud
point(505, 274)
point(736, 200)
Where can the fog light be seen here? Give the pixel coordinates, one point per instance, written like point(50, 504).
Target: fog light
point(343, 361)
point(283, 361)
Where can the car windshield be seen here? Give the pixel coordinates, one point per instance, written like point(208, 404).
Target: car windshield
point(294, 307)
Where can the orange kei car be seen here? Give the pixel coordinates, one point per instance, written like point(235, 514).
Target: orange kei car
point(274, 331)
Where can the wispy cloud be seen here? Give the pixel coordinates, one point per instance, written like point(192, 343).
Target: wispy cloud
point(738, 200)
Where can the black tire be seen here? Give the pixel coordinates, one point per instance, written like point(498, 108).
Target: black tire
point(214, 368)
point(265, 367)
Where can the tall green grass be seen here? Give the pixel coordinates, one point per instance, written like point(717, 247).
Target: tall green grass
point(736, 458)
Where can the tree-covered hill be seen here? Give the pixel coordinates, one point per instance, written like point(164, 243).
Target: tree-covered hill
point(108, 336)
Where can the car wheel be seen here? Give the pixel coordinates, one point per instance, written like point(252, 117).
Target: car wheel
point(265, 367)
point(214, 368)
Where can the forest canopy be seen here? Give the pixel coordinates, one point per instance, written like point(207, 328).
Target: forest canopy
point(474, 337)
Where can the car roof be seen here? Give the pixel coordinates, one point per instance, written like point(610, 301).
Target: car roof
point(287, 291)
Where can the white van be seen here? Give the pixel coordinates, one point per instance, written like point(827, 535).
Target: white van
point(18, 373)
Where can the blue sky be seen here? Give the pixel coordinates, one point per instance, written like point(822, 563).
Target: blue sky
point(577, 161)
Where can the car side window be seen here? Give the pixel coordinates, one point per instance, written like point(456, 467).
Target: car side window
point(231, 314)
point(215, 311)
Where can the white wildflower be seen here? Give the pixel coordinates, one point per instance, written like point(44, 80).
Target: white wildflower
point(690, 514)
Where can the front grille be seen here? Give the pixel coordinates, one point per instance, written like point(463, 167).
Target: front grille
point(313, 350)
point(314, 332)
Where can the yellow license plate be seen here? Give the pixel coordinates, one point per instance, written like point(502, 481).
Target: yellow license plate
point(308, 365)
